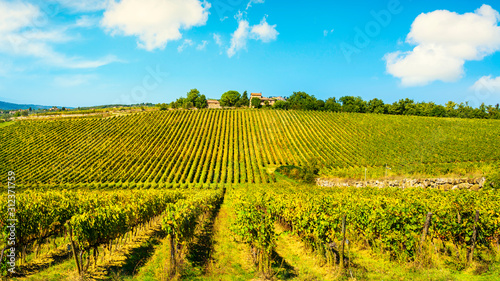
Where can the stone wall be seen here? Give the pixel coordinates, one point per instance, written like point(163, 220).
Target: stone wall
point(441, 183)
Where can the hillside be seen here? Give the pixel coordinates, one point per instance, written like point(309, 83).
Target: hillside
point(237, 146)
point(15, 106)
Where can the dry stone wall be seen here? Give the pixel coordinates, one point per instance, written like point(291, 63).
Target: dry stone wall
point(440, 183)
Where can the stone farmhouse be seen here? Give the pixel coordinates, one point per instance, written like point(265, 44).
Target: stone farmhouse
point(263, 100)
point(213, 104)
point(216, 103)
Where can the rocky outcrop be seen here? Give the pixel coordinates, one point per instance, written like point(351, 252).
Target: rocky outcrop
point(441, 183)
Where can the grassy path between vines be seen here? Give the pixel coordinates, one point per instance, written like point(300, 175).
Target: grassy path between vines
point(230, 260)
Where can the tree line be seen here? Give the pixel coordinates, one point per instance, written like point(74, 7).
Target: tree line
point(304, 101)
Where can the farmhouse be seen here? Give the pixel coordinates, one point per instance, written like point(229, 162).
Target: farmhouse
point(213, 104)
point(263, 100)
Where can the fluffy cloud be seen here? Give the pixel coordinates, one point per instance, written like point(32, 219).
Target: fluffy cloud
point(263, 32)
point(154, 22)
point(239, 38)
point(487, 84)
point(444, 41)
point(22, 33)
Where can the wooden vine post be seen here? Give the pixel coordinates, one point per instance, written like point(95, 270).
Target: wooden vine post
point(73, 248)
point(343, 243)
point(425, 231)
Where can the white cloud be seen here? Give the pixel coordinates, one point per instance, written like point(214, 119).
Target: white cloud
point(487, 84)
point(154, 22)
point(444, 41)
point(83, 6)
point(16, 15)
point(86, 21)
point(23, 34)
point(254, 2)
point(239, 38)
point(217, 39)
point(202, 46)
point(186, 43)
point(264, 31)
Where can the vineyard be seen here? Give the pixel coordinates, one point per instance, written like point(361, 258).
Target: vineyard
point(193, 195)
point(158, 149)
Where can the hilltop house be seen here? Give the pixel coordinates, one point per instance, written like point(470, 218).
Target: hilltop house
point(263, 100)
point(213, 104)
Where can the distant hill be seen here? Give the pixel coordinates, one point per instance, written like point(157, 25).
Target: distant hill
point(15, 106)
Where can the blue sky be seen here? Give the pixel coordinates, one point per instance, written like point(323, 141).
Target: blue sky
point(82, 53)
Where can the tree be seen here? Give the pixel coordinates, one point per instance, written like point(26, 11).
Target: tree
point(281, 105)
point(188, 105)
point(244, 101)
point(331, 104)
point(229, 98)
point(179, 103)
point(192, 95)
point(163, 106)
point(375, 106)
point(24, 113)
point(353, 104)
point(201, 102)
point(320, 105)
point(302, 101)
point(255, 102)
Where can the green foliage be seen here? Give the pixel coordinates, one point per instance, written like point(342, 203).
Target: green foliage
point(243, 101)
point(307, 174)
point(255, 102)
point(192, 95)
point(284, 105)
point(376, 106)
point(493, 179)
point(229, 98)
point(333, 105)
point(163, 106)
point(254, 225)
point(389, 219)
point(302, 101)
point(193, 99)
point(353, 104)
point(201, 102)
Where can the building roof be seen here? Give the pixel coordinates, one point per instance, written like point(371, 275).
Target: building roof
point(256, 94)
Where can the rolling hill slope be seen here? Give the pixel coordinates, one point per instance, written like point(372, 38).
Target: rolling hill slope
point(221, 146)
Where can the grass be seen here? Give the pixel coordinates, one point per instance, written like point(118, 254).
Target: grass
point(230, 260)
point(306, 264)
